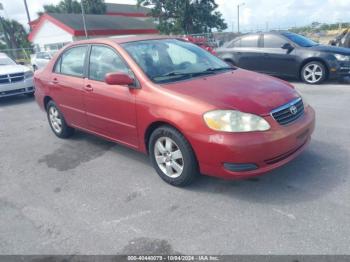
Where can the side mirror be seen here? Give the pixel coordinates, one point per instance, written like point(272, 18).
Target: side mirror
point(118, 79)
point(287, 46)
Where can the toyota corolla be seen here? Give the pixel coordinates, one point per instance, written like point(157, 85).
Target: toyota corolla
point(188, 110)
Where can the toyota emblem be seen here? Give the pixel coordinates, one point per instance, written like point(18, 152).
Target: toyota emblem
point(293, 110)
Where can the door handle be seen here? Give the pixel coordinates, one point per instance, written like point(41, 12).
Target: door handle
point(55, 81)
point(88, 88)
point(265, 54)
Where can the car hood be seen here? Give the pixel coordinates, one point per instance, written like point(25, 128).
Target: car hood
point(10, 69)
point(331, 49)
point(238, 89)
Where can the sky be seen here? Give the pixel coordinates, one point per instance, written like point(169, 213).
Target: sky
point(255, 14)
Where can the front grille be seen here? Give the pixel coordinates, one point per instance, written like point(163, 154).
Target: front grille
point(288, 113)
point(11, 78)
point(10, 92)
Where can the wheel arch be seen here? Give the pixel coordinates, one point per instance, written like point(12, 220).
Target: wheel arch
point(47, 99)
point(156, 124)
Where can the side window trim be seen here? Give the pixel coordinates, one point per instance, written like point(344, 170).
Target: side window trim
point(261, 41)
point(59, 60)
point(88, 61)
point(244, 37)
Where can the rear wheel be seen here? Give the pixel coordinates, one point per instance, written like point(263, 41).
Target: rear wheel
point(172, 156)
point(313, 73)
point(57, 121)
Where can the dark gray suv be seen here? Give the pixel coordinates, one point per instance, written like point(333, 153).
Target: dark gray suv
point(287, 54)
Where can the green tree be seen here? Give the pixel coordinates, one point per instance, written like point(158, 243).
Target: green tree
point(13, 34)
point(73, 6)
point(185, 16)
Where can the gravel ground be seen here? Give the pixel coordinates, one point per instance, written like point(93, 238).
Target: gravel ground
point(88, 196)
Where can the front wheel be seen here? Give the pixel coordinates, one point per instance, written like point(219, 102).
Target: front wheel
point(172, 156)
point(57, 121)
point(313, 73)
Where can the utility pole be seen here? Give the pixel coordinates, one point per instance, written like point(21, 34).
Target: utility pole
point(83, 15)
point(28, 15)
point(238, 6)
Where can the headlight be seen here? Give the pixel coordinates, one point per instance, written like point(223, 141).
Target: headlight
point(235, 121)
point(342, 57)
point(28, 74)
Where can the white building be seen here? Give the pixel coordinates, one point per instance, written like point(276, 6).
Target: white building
point(52, 31)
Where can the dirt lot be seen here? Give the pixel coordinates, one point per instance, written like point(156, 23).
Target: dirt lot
point(89, 196)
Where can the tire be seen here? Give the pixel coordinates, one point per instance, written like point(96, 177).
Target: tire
point(175, 164)
point(57, 122)
point(313, 73)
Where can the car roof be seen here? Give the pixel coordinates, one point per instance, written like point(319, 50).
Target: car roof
point(267, 33)
point(122, 39)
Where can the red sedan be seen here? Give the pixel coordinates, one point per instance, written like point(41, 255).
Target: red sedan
point(187, 109)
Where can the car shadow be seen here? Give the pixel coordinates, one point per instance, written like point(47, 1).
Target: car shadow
point(15, 100)
point(95, 141)
point(316, 172)
point(310, 176)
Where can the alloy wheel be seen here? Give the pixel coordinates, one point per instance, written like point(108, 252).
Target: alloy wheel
point(55, 119)
point(169, 157)
point(313, 73)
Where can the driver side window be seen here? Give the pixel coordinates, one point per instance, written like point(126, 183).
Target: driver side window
point(273, 41)
point(104, 60)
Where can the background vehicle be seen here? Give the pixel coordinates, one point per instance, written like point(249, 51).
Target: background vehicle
point(14, 79)
point(176, 102)
point(342, 40)
point(287, 54)
point(41, 59)
point(205, 41)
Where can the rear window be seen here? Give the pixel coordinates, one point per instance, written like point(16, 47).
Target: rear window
point(72, 62)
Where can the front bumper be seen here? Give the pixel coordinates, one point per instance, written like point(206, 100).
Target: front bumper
point(227, 155)
point(339, 69)
point(17, 88)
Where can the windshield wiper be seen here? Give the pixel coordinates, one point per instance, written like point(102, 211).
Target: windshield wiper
point(208, 71)
point(219, 69)
point(180, 74)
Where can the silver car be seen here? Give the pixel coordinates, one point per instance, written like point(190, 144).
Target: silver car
point(14, 79)
point(41, 59)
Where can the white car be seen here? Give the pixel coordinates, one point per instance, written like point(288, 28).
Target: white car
point(41, 59)
point(14, 79)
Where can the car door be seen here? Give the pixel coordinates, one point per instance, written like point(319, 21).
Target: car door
point(110, 109)
point(67, 82)
point(276, 60)
point(248, 53)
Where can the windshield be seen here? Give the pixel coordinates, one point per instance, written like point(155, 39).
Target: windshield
point(169, 60)
point(6, 61)
point(300, 40)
